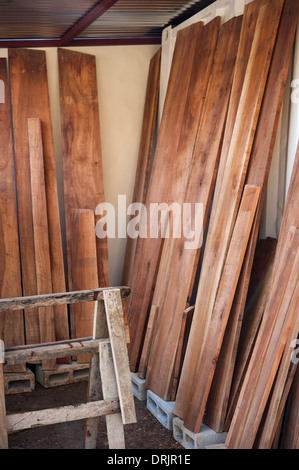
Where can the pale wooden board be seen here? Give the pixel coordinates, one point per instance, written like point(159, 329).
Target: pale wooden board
point(225, 206)
point(30, 99)
point(100, 330)
point(115, 428)
point(11, 326)
point(117, 335)
point(19, 421)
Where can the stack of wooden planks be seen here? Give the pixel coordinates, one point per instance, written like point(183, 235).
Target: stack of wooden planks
point(214, 147)
point(32, 257)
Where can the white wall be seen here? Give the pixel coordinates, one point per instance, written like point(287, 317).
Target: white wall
point(122, 76)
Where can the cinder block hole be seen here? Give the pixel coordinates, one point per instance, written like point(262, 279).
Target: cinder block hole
point(16, 384)
point(135, 388)
point(57, 378)
point(80, 373)
point(152, 404)
point(189, 442)
point(162, 416)
point(177, 432)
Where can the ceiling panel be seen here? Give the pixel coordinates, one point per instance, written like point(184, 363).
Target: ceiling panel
point(57, 23)
point(40, 18)
point(137, 18)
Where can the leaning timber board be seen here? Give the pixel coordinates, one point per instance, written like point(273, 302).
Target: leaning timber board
point(81, 146)
point(147, 249)
point(11, 325)
point(221, 310)
point(258, 171)
point(238, 427)
point(40, 232)
point(30, 99)
point(84, 269)
point(267, 353)
point(199, 81)
point(144, 156)
point(225, 206)
point(199, 188)
point(262, 151)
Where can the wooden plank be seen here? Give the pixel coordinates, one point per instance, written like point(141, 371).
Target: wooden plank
point(144, 155)
point(34, 353)
point(181, 349)
point(100, 330)
point(84, 269)
point(224, 208)
point(273, 357)
point(199, 188)
point(35, 301)
point(281, 388)
point(117, 335)
point(257, 299)
point(40, 232)
point(290, 428)
point(148, 249)
point(262, 151)
point(225, 294)
point(11, 327)
point(32, 419)
point(271, 331)
point(82, 159)
point(290, 219)
point(30, 99)
point(115, 428)
point(3, 423)
point(147, 342)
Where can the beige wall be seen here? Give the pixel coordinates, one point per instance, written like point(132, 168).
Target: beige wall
point(122, 77)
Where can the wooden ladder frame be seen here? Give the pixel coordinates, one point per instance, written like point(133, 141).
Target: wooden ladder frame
point(109, 374)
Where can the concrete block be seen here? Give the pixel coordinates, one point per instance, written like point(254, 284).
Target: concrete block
point(139, 389)
point(64, 374)
point(19, 382)
point(216, 446)
point(161, 409)
point(190, 440)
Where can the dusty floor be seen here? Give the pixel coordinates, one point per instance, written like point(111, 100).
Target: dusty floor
point(147, 433)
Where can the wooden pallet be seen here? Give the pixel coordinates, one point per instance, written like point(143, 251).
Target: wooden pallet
point(118, 401)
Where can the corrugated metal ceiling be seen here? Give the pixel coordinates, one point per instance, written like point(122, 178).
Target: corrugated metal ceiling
point(66, 21)
point(137, 18)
